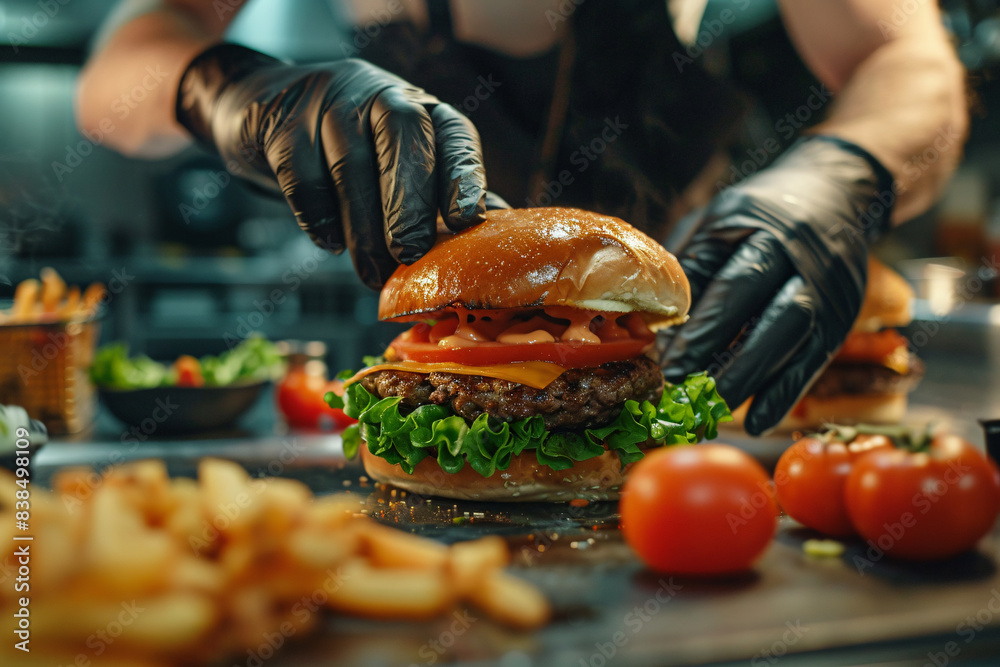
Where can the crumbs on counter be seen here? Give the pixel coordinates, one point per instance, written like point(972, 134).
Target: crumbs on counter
point(823, 548)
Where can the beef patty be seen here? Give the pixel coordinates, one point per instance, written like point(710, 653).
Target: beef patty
point(841, 379)
point(579, 398)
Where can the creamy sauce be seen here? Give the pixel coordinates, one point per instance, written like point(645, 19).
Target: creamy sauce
point(578, 330)
point(464, 328)
point(537, 336)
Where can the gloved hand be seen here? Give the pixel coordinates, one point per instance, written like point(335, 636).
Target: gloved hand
point(364, 159)
point(777, 266)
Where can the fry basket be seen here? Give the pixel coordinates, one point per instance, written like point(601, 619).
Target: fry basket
point(44, 368)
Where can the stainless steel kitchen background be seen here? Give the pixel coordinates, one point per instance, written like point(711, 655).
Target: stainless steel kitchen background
point(196, 260)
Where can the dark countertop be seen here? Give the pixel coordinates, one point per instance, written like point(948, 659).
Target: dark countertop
point(609, 609)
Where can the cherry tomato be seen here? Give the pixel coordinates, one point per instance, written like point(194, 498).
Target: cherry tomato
point(699, 509)
point(188, 371)
point(414, 345)
point(927, 504)
point(300, 399)
point(810, 477)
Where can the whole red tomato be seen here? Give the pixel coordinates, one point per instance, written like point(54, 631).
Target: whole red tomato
point(935, 502)
point(300, 399)
point(810, 478)
point(700, 509)
point(188, 371)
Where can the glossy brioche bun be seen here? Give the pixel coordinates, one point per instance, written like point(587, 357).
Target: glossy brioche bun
point(525, 480)
point(535, 257)
point(810, 413)
point(887, 302)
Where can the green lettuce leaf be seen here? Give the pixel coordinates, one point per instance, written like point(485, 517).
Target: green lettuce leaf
point(687, 413)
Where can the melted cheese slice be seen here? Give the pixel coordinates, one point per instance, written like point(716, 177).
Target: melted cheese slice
point(535, 374)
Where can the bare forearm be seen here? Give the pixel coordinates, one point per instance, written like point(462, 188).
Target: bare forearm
point(126, 92)
point(906, 105)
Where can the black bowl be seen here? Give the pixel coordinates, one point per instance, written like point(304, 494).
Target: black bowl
point(174, 410)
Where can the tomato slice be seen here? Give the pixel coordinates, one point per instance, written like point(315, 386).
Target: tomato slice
point(413, 345)
point(874, 347)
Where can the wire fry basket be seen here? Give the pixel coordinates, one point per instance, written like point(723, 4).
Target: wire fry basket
point(44, 368)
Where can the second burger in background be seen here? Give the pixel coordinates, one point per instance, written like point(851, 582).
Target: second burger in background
point(527, 376)
point(869, 380)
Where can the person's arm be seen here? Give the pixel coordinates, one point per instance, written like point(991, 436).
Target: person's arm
point(899, 87)
point(149, 50)
point(365, 160)
point(778, 262)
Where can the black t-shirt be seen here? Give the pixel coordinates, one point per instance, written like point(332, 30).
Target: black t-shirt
point(620, 125)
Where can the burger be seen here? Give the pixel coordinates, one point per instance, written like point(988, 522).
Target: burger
point(870, 378)
point(526, 374)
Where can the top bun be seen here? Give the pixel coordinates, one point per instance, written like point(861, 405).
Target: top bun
point(887, 301)
point(535, 257)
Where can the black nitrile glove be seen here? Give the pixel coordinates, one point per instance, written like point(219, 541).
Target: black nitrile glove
point(364, 159)
point(777, 266)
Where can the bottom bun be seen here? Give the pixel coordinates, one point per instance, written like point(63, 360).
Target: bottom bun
point(812, 412)
point(599, 478)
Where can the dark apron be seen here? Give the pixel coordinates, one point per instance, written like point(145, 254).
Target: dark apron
point(606, 121)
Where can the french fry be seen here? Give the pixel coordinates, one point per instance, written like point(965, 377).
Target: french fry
point(237, 559)
point(332, 512)
point(197, 575)
point(53, 290)
point(92, 297)
point(319, 549)
point(227, 500)
point(153, 624)
point(511, 601)
point(204, 569)
point(281, 507)
point(52, 299)
point(147, 486)
point(78, 481)
point(70, 306)
point(59, 561)
point(25, 297)
point(121, 551)
point(468, 561)
point(390, 593)
point(170, 621)
point(392, 548)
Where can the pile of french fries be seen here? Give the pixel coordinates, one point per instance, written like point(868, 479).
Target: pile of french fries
point(135, 568)
point(51, 300)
